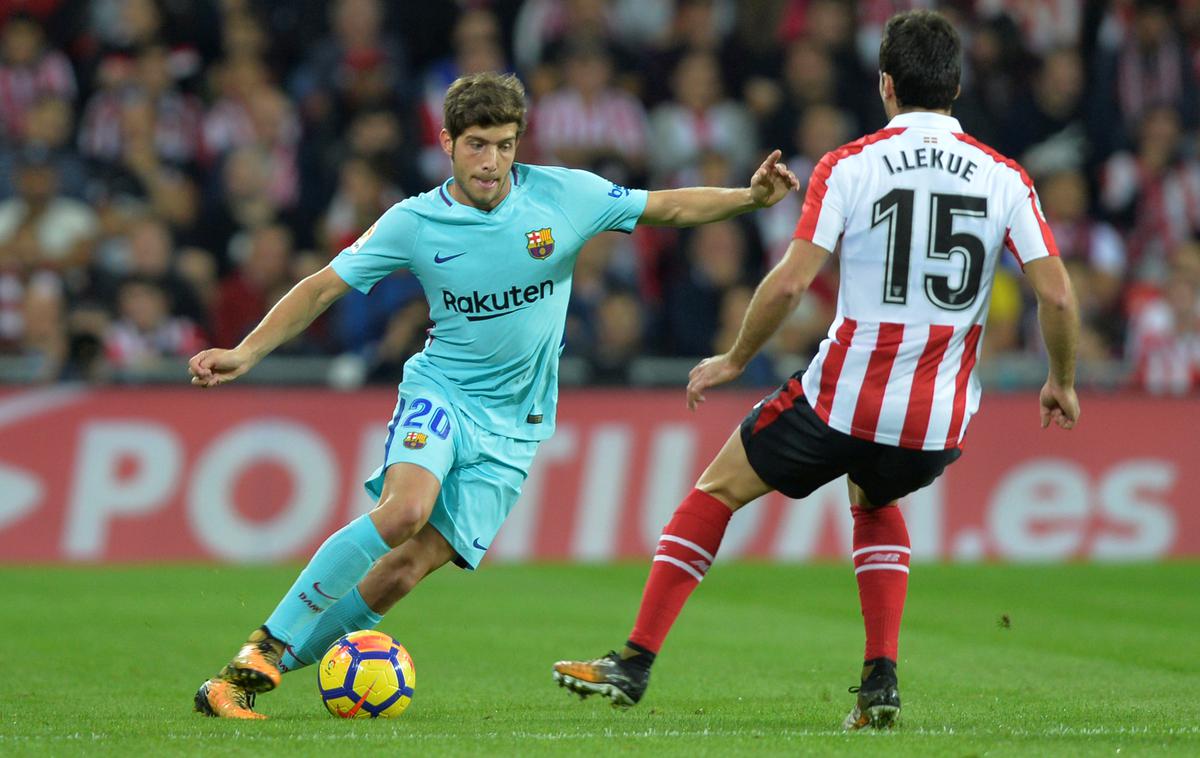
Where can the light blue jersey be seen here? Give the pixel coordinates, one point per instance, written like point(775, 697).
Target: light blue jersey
point(497, 283)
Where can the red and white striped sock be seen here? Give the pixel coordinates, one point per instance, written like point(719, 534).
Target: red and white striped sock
point(686, 549)
point(881, 556)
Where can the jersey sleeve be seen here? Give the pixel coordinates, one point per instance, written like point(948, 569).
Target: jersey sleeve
point(1029, 237)
point(598, 205)
point(383, 248)
point(823, 218)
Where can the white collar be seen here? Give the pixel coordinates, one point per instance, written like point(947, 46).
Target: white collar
point(926, 119)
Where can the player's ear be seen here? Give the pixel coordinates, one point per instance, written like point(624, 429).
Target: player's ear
point(447, 142)
point(957, 92)
point(886, 85)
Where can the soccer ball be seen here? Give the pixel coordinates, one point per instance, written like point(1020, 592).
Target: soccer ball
point(366, 675)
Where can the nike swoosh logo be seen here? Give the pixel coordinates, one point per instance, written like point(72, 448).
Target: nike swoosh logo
point(437, 257)
point(350, 713)
point(477, 546)
point(317, 587)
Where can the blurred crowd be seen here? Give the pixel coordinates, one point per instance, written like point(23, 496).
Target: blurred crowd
point(169, 168)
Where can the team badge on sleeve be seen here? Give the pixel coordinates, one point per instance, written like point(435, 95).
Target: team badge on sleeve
point(415, 440)
point(540, 243)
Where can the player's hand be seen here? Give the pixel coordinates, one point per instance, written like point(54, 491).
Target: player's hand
point(1060, 405)
point(772, 181)
point(213, 367)
point(709, 373)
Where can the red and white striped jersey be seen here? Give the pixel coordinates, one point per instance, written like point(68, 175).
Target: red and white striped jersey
point(922, 212)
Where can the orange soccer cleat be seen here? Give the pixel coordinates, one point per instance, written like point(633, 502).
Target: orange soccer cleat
point(255, 668)
point(223, 699)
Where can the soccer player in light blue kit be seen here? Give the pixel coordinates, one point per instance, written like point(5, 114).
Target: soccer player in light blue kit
point(494, 248)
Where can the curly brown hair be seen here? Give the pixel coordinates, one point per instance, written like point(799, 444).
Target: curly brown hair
point(487, 99)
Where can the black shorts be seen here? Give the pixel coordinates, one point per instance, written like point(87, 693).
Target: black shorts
point(795, 452)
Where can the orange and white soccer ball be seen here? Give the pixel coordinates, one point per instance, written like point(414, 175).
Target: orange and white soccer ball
point(366, 675)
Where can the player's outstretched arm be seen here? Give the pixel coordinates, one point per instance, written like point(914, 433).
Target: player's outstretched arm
point(1058, 316)
point(777, 296)
point(701, 205)
point(290, 316)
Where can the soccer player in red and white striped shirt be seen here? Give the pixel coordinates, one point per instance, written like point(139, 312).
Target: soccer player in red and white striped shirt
point(920, 214)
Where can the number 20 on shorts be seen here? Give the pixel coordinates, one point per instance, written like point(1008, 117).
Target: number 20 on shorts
point(414, 417)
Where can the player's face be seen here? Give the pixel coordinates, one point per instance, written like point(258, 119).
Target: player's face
point(481, 158)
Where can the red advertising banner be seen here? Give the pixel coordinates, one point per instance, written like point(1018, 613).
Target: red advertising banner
point(248, 474)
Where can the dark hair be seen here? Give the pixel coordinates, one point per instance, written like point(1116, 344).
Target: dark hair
point(487, 99)
point(923, 55)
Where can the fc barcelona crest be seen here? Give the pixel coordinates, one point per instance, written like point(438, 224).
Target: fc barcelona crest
point(415, 440)
point(540, 243)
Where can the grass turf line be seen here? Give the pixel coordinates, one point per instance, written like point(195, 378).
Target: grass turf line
point(104, 661)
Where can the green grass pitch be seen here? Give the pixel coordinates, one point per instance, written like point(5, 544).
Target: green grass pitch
point(1094, 660)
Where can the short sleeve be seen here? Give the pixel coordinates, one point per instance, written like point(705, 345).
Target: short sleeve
point(823, 218)
point(1029, 236)
point(598, 205)
point(383, 248)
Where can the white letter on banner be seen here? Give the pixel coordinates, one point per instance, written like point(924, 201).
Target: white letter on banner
point(370, 457)
point(1034, 493)
point(213, 514)
point(924, 517)
point(1125, 498)
point(516, 538)
point(100, 493)
point(602, 493)
point(804, 522)
point(668, 479)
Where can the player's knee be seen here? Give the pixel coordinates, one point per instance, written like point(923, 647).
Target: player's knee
point(399, 518)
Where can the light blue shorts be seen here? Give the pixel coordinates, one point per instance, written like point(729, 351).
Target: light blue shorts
point(481, 472)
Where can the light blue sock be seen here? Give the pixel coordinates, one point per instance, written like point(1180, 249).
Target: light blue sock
point(349, 614)
point(337, 566)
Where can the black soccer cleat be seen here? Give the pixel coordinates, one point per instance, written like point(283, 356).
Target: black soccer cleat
point(878, 704)
point(619, 680)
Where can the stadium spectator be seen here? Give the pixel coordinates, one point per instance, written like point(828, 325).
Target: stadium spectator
point(716, 261)
point(476, 47)
point(822, 128)
point(620, 329)
point(1095, 257)
point(1141, 66)
point(29, 72)
point(700, 118)
point(363, 194)
point(1154, 192)
point(63, 230)
point(1046, 130)
point(588, 122)
point(242, 203)
point(807, 78)
point(149, 100)
point(145, 331)
point(43, 340)
point(1165, 340)
point(50, 120)
point(146, 250)
point(358, 65)
point(247, 294)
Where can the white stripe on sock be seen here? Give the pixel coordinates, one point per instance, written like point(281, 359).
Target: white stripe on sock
point(688, 544)
point(876, 548)
point(878, 567)
point(682, 565)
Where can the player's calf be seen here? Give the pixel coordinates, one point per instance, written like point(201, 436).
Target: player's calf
point(878, 697)
point(255, 668)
